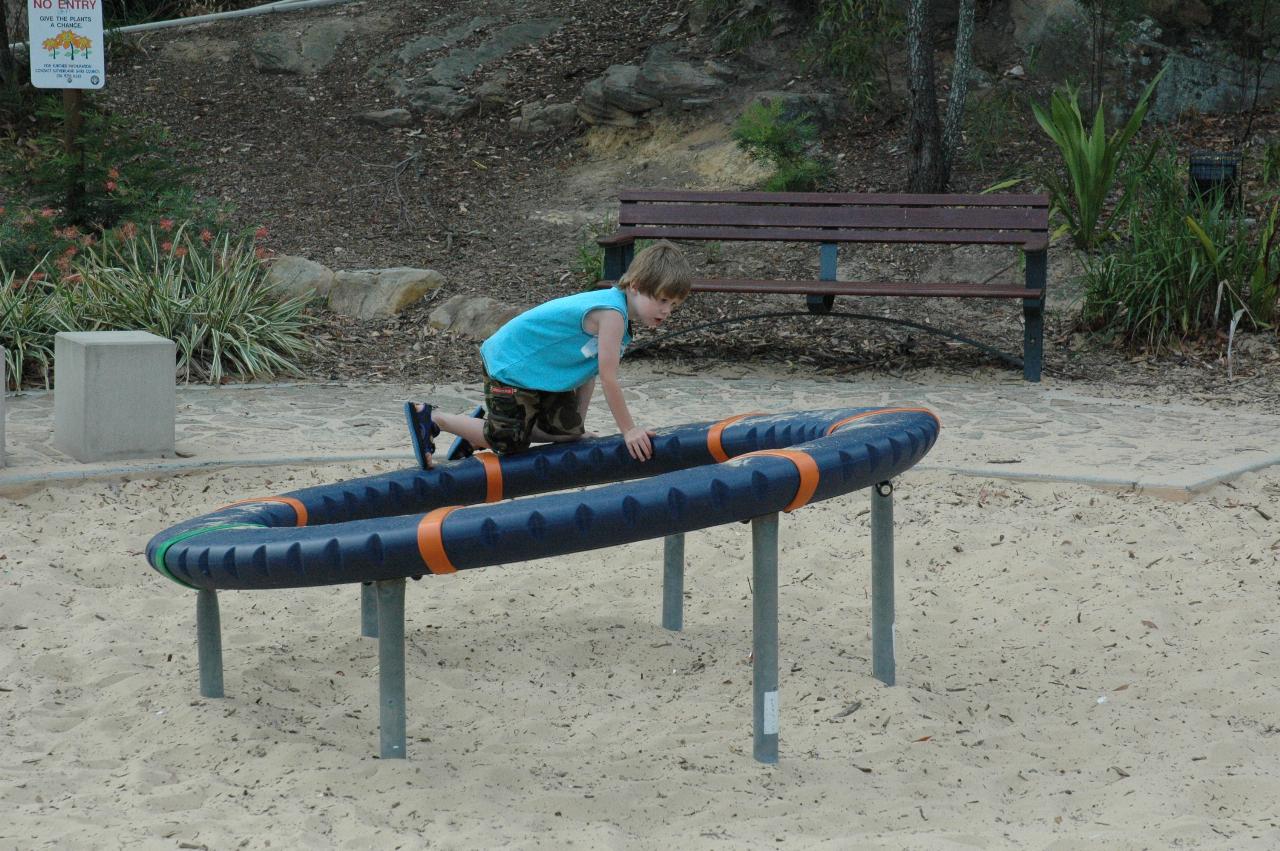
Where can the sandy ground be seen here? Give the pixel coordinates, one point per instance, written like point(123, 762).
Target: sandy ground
point(1077, 668)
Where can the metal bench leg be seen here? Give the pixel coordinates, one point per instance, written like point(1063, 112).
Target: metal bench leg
point(673, 582)
point(1033, 315)
point(209, 643)
point(616, 260)
point(368, 610)
point(882, 624)
point(764, 644)
point(391, 700)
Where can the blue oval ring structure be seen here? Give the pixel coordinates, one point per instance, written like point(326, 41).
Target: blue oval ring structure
point(470, 513)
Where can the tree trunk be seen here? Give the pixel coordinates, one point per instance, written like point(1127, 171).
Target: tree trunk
point(8, 68)
point(924, 139)
point(959, 89)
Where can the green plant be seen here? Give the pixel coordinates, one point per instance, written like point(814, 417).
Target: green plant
point(852, 39)
point(1270, 171)
point(31, 313)
point(205, 293)
point(767, 136)
point(1091, 159)
point(1180, 262)
point(739, 23)
point(124, 170)
point(991, 123)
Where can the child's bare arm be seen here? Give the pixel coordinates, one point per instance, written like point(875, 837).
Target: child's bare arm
point(610, 326)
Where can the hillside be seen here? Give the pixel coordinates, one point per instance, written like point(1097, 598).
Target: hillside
point(508, 215)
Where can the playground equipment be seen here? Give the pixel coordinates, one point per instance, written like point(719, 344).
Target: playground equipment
point(381, 529)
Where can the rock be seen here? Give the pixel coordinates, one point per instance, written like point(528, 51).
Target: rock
point(454, 69)
point(386, 117)
point(443, 101)
point(1184, 14)
point(593, 109)
point(295, 276)
point(380, 293)
point(537, 118)
point(455, 34)
point(476, 317)
point(675, 82)
point(493, 93)
point(618, 88)
point(282, 52)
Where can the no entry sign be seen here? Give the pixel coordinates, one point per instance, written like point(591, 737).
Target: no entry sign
point(66, 44)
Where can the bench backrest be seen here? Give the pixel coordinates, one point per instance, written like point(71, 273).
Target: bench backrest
point(835, 217)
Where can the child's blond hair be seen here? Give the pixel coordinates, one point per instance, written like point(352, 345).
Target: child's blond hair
point(659, 271)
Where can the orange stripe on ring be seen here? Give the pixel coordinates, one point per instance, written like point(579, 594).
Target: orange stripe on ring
point(713, 435)
point(805, 466)
point(430, 542)
point(299, 509)
point(865, 414)
point(492, 476)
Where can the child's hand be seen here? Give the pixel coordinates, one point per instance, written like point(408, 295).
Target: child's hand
point(638, 442)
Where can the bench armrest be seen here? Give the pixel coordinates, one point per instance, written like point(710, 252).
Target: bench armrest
point(616, 239)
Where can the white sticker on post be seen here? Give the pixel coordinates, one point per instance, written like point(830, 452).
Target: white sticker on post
point(770, 713)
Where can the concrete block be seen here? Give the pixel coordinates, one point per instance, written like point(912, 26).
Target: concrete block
point(113, 394)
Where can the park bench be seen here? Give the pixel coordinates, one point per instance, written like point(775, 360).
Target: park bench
point(830, 219)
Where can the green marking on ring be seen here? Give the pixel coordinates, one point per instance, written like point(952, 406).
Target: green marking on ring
point(163, 550)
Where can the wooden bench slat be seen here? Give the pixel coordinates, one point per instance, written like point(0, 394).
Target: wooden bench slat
point(1031, 240)
point(905, 218)
point(628, 196)
point(867, 288)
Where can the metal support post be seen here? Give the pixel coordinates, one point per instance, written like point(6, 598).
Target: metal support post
point(882, 625)
point(368, 610)
point(764, 643)
point(673, 582)
point(1037, 274)
point(391, 701)
point(209, 643)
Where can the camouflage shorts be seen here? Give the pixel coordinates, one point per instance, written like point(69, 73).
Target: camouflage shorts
point(511, 413)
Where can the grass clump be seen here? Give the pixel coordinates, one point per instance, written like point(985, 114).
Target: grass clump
point(207, 293)
point(1183, 266)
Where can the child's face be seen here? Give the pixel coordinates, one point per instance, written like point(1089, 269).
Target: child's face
point(651, 310)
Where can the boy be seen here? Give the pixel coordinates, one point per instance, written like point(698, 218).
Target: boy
point(540, 368)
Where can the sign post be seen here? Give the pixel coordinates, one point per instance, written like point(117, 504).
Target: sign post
point(67, 52)
point(66, 44)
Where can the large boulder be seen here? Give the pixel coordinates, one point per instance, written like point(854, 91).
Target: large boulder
point(476, 317)
point(284, 52)
point(538, 118)
point(380, 293)
point(291, 276)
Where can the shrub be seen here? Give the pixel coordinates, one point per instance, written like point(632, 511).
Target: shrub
point(126, 172)
point(1184, 266)
point(852, 39)
point(1091, 159)
point(204, 292)
point(767, 136)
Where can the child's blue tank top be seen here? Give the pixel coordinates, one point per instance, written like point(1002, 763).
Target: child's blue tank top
point(545, 348)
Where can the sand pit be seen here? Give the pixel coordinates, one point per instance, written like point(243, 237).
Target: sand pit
point(1077, 668)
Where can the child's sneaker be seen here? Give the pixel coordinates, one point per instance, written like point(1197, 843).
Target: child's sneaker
point(421, 432)
point(461, 448)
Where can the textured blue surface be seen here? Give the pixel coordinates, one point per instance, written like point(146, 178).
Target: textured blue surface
point(367, 529)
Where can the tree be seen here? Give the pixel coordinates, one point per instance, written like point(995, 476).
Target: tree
point(8, 68)
point(932, 145)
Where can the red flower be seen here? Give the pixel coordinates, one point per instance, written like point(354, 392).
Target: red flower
point(260, 253)
point(180, 251)
point(206, 236)
point(113, 173)
point(128, 230)
point(260, 233)
point(166, 225)
point(166, 245)
point(70, 252)
point(48, 213)
point(110, 185)
point(38, 276)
